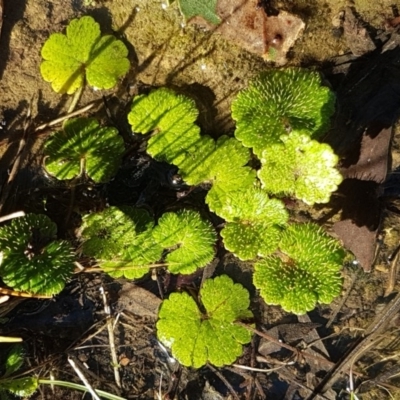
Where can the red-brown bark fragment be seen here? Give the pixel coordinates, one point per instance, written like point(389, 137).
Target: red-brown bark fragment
point(246, 24)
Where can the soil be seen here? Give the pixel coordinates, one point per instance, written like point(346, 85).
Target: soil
point(355, 45)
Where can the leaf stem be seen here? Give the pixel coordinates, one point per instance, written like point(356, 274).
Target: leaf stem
point(75, 99)
point(76, 386)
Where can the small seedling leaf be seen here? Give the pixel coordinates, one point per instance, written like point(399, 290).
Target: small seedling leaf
point(301, 167)
point(22, 387)
point(196, 339)
point(33, 260)
point(172, 116)
point(14, 360)
point(308, 271)
point(278, 102)
point(83, 52)
point(254, 223)
point(121, 240)
point(189, 238)
point(202, 8)
point(84, 146)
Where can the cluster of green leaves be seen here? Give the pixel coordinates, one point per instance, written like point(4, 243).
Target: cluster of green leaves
point(83, 55)
point(279, 116)
point(177, 140)
point(32, 259)
point(126, 243)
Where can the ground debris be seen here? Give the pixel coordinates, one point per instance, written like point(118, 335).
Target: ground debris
point(138, 301)
point(357, 36)
point(244, 22)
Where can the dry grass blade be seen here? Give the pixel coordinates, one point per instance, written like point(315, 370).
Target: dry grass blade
point(372, 335)
point(110, 328)
point(82, 377)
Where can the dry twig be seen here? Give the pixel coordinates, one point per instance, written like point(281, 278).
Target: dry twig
point(110, 329)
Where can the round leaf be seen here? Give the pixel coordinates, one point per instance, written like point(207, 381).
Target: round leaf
point(254, 223)
point(33, 260)
point(121, 240)
point(306, 273)
point(67, 58)
point(190, 240)
point(196, 339)
point(302, 167)
point(83, 144)
point(173, 116)
point(278, 102)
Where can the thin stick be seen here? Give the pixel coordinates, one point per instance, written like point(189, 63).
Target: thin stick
point(10, 292)
point(10, 339)
point(110, 329)
point(267, 371)
point(343, 300)
point(75, 99)
point(392, 274)
point(224, 380)
point(83, 378)
point(17, 160)
point(66, 116)
point(371, 335)
point(13, 215)
point(286, 346)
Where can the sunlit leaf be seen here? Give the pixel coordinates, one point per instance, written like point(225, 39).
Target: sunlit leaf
point(196, 338)
point(121, 241)
point(301, 167)
point(202, 8)
point(254, 223)
point(190, 240)
point(83, 54)
point(279, 101)
point(22, 387)
point(172, 116)
point(14, 360)
point(306, 272)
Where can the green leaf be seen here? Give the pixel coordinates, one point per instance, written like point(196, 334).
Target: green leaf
point(172, 116)
point(84, 146)
point(176, 139)
point(203, 8)
point(121, 240)
point(20, 386)
point(189, 238)
point(83, 52)
point(309, 241)
point(280, 101)
point(222, 163)
point(33, 260)
point(301, 167)
point(197, 338)
point(307, 271)
point(14, 360)
point(254, 223)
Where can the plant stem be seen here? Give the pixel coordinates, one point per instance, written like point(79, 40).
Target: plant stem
point(76, 386)
point(75, 99)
